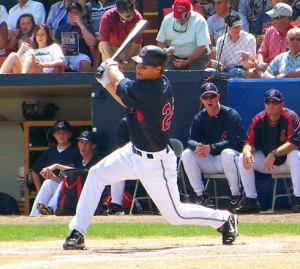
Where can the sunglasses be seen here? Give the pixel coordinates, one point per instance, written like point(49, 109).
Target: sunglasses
point(217, 3)
point(180, 31)
point(294, 38)
point(209, 97)
point(272, 101)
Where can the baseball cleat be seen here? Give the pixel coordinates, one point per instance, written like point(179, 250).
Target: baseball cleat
point(75, 240)
point(250, 206)
point(44, 210)
point(295, 204)
point(229, 230)
point(203, 199)
point(115, 209)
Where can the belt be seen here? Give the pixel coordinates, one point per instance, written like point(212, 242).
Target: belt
point(153, 155)
point(238, 66)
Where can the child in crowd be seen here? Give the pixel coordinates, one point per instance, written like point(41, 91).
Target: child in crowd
point(22, 33)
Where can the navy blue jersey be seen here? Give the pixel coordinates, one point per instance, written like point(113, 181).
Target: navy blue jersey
point(225, 130)
point(150, 106)
point(70, 157)
point(95, 159)
point(266, 136)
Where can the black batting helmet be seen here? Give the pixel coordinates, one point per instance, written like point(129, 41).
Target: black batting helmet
point(151, 55)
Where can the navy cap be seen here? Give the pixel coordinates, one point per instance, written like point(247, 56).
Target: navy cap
point(74, 5)
point(62, 125)
point(87, 136)
point(151, 55)
point(209, 88)
point(274, 94)
point(233, 20)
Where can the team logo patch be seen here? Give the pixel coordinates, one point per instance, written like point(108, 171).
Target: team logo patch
point(85, 133)
point(61, 124)
point(144, 51)
point(207, 87)
point(272, 93)
point(282, 136)
point(223, 136)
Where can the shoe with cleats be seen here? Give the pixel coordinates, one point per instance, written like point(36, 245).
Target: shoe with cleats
point(229, 230)
point(75, 240)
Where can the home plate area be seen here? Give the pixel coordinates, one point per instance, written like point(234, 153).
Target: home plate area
point(277, 251)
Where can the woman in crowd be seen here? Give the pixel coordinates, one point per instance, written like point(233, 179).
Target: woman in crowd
point(44, 56)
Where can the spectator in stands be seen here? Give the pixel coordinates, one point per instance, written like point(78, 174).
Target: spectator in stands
point(46, 201)
point(287, 64)
point(36, 9)
point(3, 30)
point(63, 153)
point(44, 56)
point(115, 25)
point(95, 10)
point(272, 146)
point(263, 22)
point(216, 23)
point(207, 5)
point(82, 61)
point(251, 8)
point(215, 141)
point(232, 49)
point(58, 14)
point(184, 36)
point(274, 41)
point(22, 33)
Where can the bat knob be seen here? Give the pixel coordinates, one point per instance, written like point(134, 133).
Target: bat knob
point(99, 72)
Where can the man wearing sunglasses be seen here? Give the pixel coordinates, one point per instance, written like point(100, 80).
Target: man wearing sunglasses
point(215, 142)
point(287, 64)
point(272, 146)
point(274, 41)
point(185, 33)
point(115, 25)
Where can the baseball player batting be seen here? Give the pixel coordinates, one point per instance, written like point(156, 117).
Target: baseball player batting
point(150, 106)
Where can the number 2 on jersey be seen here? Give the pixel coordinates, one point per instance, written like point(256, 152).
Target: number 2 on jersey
point(167, 111)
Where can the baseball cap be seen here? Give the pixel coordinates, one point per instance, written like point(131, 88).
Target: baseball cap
point(274, 94)
point(151, 55)
point(233, 20)
point(181, 9)
point(62, 125)
point(280, 10)
point(74, 5)
point(208, 88)
point(87, 136)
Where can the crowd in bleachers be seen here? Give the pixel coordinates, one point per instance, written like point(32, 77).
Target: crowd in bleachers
point(234, 28)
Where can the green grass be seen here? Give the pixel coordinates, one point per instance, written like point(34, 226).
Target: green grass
point(34, 232)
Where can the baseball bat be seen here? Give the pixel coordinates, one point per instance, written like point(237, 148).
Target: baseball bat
point(137, 28)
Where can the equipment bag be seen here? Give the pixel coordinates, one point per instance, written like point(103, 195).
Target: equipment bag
point(72, 184)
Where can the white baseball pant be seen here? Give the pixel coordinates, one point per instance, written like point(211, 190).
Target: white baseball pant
point(226, 163)
point(158, 176)
point(291, 165)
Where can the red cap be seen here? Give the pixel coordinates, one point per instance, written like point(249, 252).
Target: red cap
point(181, 9)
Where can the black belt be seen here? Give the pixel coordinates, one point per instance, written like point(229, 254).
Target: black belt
point(149, 155)
point(238, 66)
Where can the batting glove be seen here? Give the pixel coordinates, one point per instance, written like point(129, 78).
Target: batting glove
point(105, 78)
point(109, 62)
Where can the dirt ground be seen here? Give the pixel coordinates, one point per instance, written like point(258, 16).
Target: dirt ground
point(193, 252)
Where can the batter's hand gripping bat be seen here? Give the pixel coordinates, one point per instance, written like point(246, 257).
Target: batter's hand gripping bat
point(137, 28)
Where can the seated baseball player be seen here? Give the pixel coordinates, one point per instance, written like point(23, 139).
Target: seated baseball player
point(272, 146)
point(215, 141)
